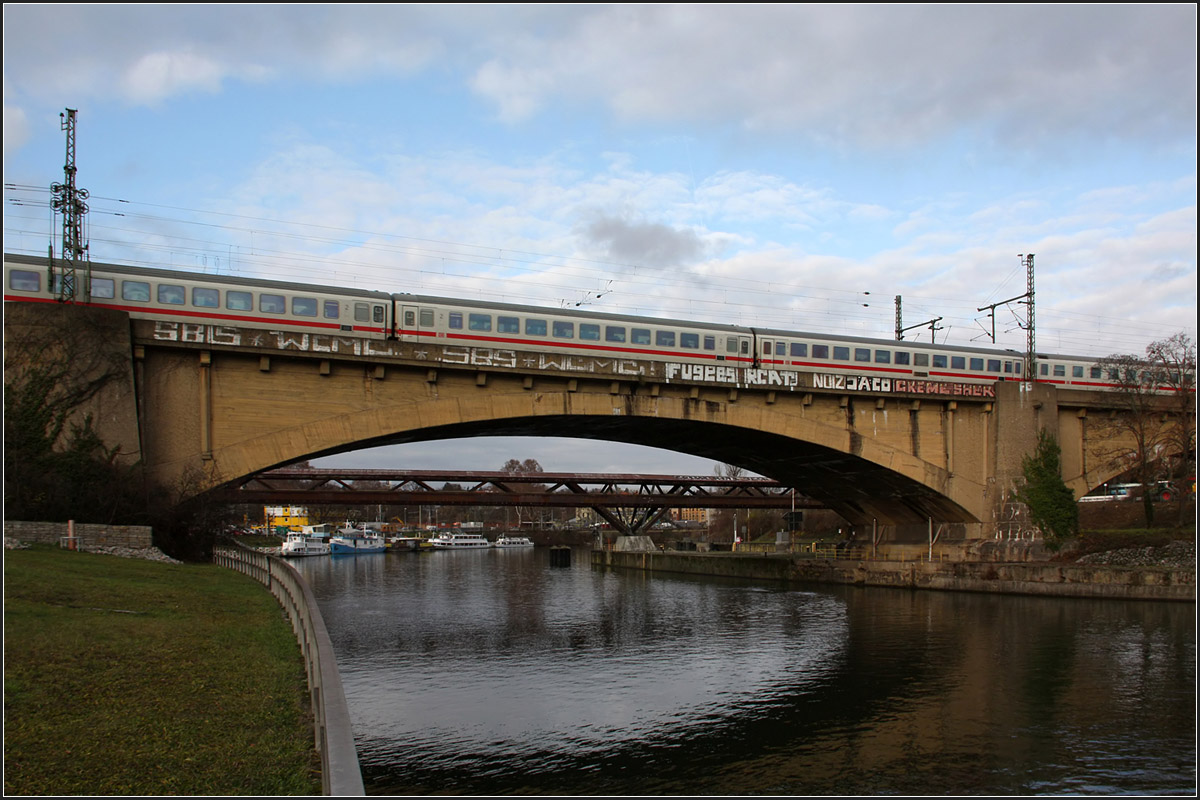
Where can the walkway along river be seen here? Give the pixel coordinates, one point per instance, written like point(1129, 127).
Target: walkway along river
point(494, 672)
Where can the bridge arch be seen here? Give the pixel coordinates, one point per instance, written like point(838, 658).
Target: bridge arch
point(860, 477)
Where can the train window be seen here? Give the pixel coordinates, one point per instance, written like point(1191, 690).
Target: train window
point(781, 348)
point(993, 365)
point(745, 347)
point(941, 361)
point(883, 356)
point(304, 306)
point(799, 350)
point(1076, 372)
point(731, 344)
point(862, 354)
point(333, 309)
point(902, 357)
point(1017, 367)
point(479, 322)
point(639, 335)
point(841, 353)
point(535, 327)
point(272, 304)
point(455, 320)
point(1095, 372)
point(710, 343)
point(976, 363)
point(614, 333)
point(689, 340)
point(137, 291)
point(377, 314)
point(104, 287)
point(170, 294)
point(664, 338)
point(589, 331)
point(1044, 369)
point(22, 280)
point(206, 298)
point(426, 317)
point(766, 348)
point(958, 362)
point(1060, 371)
point(362, 312)
point(508, 325)
point(820, 351)
point(563, 330)
point(239, 301)
point(920, 359)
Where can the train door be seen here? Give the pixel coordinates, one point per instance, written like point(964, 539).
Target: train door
point(415, 323)
point(737, 348)
point(367, 318)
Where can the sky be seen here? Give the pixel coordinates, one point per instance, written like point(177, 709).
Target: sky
point(788, 166)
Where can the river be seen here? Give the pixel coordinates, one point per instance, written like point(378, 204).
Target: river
point(493, 672)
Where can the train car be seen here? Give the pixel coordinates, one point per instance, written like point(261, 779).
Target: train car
point(570, 332)
point(151, 293)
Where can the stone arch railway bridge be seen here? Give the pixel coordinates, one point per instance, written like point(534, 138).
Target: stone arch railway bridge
point(205, 406)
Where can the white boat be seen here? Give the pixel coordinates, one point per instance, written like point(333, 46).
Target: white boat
point(459, 541)
point(513, 541)
point(298, 544)
point(356, 541)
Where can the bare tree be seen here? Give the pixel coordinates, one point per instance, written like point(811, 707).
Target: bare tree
point(1156, 420)
point(1175, 360)
point(529, 466)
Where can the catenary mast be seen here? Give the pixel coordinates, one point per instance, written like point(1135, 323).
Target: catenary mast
point(69, 200)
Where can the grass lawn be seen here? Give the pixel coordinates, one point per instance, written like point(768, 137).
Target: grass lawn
point(132, 677)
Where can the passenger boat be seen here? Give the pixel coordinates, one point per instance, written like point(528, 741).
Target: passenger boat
point(299, 544)
point(356, 541)
point(459, 541)
point(513, 541)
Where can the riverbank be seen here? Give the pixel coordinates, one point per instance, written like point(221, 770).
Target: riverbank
point(143, 676)
point(1150, 573)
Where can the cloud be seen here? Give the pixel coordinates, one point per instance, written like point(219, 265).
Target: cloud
point(881, 75)
point(16, 128)
point(157, 76)
point(642, 243)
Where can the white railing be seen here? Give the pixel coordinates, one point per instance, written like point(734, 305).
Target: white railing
point(340, 772)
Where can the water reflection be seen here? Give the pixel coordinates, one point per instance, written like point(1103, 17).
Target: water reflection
point(492, 672)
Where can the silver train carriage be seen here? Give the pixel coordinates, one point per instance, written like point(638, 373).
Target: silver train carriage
point(150, 293)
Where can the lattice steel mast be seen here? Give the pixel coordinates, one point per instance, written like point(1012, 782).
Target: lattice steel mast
point(1027, 299)
point(69, 201)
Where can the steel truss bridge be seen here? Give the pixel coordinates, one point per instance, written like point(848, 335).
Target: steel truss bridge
point(628, 502)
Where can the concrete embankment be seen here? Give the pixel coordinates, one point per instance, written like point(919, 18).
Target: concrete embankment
point(1046, 578)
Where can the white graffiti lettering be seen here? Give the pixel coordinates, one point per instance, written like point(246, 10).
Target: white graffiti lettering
point(203, 334)
point(712, 373)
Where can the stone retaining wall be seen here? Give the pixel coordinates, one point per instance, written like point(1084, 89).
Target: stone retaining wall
point(88, 534)
point(1061, 580)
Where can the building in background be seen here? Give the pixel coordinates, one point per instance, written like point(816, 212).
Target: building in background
point(281, 519)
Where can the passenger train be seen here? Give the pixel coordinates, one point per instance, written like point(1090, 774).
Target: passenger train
point(150, 293)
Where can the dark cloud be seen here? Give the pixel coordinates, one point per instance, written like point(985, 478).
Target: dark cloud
point(648, 244)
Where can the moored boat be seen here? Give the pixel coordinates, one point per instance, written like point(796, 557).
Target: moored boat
point(356, 541)
point(513, 541)
point(459, 541)
point(298, 544)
